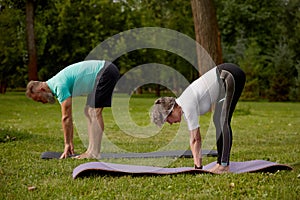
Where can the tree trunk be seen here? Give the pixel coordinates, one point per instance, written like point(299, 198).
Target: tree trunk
point(157, 90)
point(206, 32)
point(31, 47)
point(3, 87)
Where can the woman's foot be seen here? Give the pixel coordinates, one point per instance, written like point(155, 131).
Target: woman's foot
point(219, 169)
point(214, 168)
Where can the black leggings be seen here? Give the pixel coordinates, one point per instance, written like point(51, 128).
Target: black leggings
point(232, 81)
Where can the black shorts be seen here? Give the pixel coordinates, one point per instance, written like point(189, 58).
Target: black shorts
point(104, 86)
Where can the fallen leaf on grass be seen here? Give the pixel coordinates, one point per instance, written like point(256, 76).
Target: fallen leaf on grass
point(31, 188)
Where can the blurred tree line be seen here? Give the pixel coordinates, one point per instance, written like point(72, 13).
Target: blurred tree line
point(261, 36)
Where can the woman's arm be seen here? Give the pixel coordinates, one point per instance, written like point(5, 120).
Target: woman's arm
point(195, 144)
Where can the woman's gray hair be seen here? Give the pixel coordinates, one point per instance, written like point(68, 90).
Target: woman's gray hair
point(162, 108)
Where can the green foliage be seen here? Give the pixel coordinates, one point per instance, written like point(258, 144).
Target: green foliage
point(282, 76)
point(291, 27)
point(12, 47)
point(295, 91)
point(66, 31)
point(74, 29)
point(255, 28)
point(240, 19)
point(251, 61)
point(268, 131)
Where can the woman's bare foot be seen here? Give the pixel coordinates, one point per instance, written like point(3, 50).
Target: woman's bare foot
point(221, 169)
point(214, 168)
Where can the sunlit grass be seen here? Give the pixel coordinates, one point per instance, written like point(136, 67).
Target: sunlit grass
point(262, 130)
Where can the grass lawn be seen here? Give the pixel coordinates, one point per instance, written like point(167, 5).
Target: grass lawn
point(262, 130)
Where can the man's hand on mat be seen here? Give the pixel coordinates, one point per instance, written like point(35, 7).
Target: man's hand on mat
point(69, 150)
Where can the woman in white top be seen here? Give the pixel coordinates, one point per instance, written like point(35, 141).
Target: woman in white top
point(221, 86)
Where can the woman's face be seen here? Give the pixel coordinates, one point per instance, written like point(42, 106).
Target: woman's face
point(175, 116)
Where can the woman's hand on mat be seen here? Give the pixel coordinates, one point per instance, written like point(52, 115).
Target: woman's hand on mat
point(69, 150)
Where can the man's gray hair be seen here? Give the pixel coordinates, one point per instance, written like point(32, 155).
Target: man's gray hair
point(162, 108)
point(32, 89)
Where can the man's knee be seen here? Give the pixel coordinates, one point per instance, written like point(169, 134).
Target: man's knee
point(86, 111)
point(94, 112)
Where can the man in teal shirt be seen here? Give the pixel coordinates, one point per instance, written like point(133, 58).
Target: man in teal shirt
point(97, 79)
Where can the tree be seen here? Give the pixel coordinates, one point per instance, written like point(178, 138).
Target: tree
point(283, 75)
point(175, 15)
point(12, 46)
point(32, 54)
point(253, 34)
point(206, 30)
point(65, 32)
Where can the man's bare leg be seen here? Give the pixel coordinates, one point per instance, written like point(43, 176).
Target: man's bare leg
point(95, 132)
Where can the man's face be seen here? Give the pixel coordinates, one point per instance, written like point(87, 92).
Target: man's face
point(39, 97)
point(175, 116)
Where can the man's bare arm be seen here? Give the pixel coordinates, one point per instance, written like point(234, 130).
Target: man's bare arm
point(195, 144)
point(67, 125)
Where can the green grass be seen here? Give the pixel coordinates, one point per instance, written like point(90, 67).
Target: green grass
point(262, 130)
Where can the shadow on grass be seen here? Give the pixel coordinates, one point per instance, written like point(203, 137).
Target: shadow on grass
point(11, 135)
point(8, 135)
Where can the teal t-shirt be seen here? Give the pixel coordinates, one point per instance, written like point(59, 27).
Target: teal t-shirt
point(76, 79)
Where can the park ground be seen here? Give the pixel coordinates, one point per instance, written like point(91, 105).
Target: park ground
point(262, 130)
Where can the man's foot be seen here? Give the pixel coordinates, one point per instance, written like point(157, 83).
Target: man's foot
point(87, 156)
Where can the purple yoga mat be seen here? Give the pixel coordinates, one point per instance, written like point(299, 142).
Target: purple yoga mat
point(103, 168)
